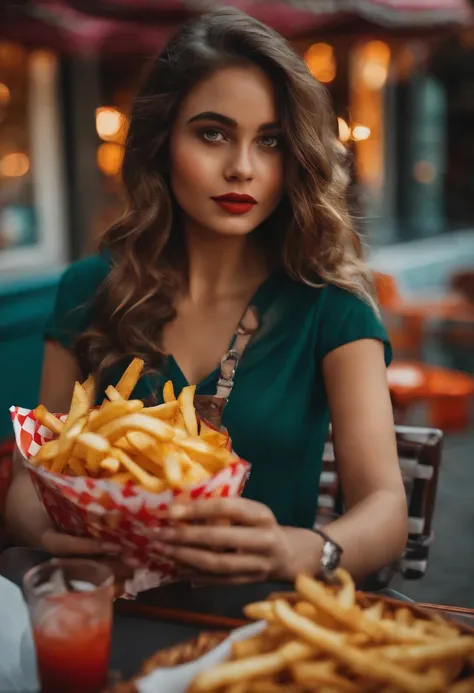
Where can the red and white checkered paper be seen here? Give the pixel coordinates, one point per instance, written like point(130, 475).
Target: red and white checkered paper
point(113, 512)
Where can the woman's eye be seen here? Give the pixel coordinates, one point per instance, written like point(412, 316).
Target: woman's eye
point(271, 141)
point(212, 135)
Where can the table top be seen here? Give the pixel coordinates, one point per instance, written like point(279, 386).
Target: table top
point(158, 618)
point(174, 613)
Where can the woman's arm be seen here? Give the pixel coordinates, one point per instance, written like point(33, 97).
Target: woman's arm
point(25, 515)
point(373, 531)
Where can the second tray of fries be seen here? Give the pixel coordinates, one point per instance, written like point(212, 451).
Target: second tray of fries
point(331, 639)
point(103, 471)
point(323, 639)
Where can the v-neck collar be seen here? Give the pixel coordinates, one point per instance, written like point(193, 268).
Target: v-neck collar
point(260, 299)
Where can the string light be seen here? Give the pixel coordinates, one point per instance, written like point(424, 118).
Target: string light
point(4, 94)
point(109, 122)
point(14, 165)
point(360, 133)
point(376, 60)
point(321, 62)
point(424, 172)
point(109, 158)
point(344, 130)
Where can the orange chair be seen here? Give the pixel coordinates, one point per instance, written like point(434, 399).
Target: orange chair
point(461, 331)
point(413, 315)
point(447, 393)
point(447, 307)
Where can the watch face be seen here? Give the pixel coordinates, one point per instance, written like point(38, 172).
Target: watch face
point(331, 556)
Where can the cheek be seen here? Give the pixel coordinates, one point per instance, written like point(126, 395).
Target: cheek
point(274, 179)
point(188, 167)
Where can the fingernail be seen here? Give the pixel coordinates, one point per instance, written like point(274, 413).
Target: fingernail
point(110, 548)
point(177, 511)
point(131, 562)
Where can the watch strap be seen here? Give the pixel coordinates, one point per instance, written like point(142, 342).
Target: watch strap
point(330, 557)
point(326, 537)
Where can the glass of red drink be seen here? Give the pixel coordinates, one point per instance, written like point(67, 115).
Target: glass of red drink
point(70, 605)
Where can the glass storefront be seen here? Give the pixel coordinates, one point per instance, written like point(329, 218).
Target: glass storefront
point(18, 221)
point(33, 231)
point(453, 68)
point(405, 110)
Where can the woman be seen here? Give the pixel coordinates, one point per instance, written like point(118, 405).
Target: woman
point(236, 198)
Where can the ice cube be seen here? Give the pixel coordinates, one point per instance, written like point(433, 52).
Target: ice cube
point(82, 586)
point(68, 617)
point(57, 583)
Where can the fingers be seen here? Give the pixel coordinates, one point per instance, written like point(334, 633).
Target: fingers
point(240, 511)
point(217, 563)
point(59, 544)
point(232, 554)
point(244, 539)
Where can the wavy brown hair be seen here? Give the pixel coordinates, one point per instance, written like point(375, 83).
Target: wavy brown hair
point(312, 236)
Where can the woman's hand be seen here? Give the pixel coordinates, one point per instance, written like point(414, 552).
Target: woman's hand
point(235, 540)
point(33, 528)
point(60, 544)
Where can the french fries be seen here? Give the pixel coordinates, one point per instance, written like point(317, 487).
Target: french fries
point(157, 448)
point(333, 640)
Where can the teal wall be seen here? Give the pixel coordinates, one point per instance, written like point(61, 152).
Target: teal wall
point(24, 308)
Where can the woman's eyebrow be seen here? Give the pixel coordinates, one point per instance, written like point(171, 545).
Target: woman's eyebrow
point(230, 122)
point(218, 117)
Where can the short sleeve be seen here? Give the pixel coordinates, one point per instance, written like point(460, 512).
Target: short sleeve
point(346, 318)
point(72, 308)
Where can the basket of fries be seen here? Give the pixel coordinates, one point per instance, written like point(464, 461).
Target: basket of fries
point(105, 471)
point(329, 639)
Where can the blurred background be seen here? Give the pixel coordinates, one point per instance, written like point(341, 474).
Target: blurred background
point(401, 75)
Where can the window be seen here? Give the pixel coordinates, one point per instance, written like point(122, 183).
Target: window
point(453, 69)
point(33, 232)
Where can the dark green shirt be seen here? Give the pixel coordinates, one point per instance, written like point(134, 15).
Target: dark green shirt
point(277, 414)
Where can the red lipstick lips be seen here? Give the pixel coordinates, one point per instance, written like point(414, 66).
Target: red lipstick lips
point(234, 203)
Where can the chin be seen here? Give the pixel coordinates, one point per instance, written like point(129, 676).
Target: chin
point(233, 231)
point(231, 227)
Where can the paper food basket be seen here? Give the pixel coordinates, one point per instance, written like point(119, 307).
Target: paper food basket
point(178, 679)
point(113, 512)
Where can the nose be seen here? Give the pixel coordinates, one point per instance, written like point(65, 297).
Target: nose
point(240, 166)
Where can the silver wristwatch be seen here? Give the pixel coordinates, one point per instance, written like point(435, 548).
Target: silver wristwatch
point(331, 556)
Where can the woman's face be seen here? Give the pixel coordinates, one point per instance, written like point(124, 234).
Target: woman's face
point(226, 141)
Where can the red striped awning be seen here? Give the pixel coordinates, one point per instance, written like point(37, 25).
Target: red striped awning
point(143, 26)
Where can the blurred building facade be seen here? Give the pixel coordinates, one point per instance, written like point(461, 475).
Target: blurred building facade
point(402, 81)
point(405, 107)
